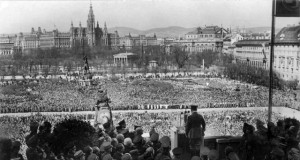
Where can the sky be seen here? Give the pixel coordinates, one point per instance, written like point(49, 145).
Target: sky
point(21, 15)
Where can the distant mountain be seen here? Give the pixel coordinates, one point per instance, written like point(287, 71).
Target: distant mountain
point(173, 31)
point(176, 31)
point(261, 29)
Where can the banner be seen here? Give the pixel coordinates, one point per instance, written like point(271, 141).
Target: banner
point(287, 8)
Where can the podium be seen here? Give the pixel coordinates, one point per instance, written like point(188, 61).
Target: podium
point(219, 143)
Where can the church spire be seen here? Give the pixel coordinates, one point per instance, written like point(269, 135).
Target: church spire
point(105, 28)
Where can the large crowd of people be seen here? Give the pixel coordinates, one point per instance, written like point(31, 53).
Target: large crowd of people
point(219, 123)
point(141, 94)
point(62, 96)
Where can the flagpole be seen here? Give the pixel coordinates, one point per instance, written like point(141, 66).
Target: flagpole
point(271, 62)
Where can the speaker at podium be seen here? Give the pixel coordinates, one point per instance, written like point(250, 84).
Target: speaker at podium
point(219, 143)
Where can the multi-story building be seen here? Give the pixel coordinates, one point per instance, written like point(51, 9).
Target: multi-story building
point(129, 41)
point(208, 38)
point(6, 49)
point(256, 52)
point(110, 40)
point(90, 35)
point(287, 53)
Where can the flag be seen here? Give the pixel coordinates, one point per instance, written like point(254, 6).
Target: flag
point(287, 8)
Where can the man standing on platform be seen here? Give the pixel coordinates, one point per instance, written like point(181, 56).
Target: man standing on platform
point(194, 130)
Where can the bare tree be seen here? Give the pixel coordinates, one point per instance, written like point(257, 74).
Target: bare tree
point(180, 56)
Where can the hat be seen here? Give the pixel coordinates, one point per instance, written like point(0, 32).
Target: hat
point(137, 139)
point(87, 149)
point(204, 151)
point(127, 141)
point(154, 137)
point(213, 155)
point(107, 145)
point(122, 122)
point(139, 131)
point(177, 151)
point(78, 154)
point(165, 141)
point(194, 107)
point(134, 152)
point(120, 138)
point(136, 126)
point(150, 150)
point(126, 156)
point(195, 158)
point(96, 149)
point(119, 147)
point(228, 150)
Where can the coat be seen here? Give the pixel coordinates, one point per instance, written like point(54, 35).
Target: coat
point(195, 126)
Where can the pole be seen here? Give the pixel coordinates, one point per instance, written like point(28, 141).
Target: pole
point(271, 62)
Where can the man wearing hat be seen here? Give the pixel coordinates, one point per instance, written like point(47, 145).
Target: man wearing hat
point(177, 152)
point(194, 130)
point(107, 151)
point(33, 130)
point(138, 140)
point(79, 155)
point(121, 129)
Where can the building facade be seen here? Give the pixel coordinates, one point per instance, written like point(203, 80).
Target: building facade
point(128, 42)
point(256, 52)
point(208, 38)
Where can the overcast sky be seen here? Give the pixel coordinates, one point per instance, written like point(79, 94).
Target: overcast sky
point(20, 16)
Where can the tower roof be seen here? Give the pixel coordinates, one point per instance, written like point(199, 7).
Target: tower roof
point(91, 13)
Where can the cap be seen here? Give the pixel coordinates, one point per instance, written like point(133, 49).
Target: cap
point(134, 152)
point(195, 158)
point(137, 139)
point(150, 150)
point(204, 151)
point(136, 126)
point(107, 145)
point(87, 149)
point(119, 147)
point(228, 150)
point(139, 131)
point(177, 151)
point(194, 107)
point(78, 154)
point(165, 141)
point(96, 149)
point(126, 156)
point(154, 137)
point(127, 141)
point(120, 138)
point(213, 154)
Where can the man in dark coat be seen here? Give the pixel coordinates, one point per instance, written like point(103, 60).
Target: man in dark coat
point(194, 130)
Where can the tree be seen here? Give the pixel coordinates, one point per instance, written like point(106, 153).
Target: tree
point(180, 56)
point(71, 131)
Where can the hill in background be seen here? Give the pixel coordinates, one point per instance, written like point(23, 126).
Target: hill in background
point(175, 31)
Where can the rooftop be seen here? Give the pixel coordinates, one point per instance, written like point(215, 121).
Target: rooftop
point(288, 35)
point(124, 54)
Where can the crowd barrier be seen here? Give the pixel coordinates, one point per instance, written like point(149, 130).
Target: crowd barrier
point(18, 109)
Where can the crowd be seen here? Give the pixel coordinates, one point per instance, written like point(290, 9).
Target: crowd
point(62, 96)
point(219, 123)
